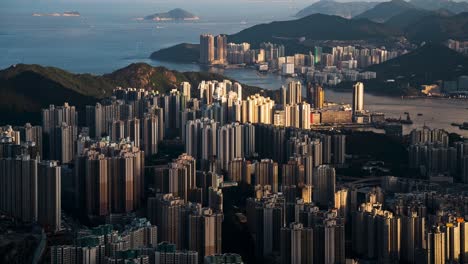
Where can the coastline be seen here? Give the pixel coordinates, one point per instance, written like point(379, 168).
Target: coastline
point(64, 14)
point(252, 68)
point(371, 91)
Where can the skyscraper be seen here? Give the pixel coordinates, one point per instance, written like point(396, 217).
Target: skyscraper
point(63, 146)
point(230, 144)
point(370, 224)
point(436, 246)
point(59, 125)
point(132, 131)
point(412, 236)
point(117, 130)
point(328, 232)
point(159, 113)
point(177, 178)
point(207, 49)
point(293, 173)
point(291, 115)
point(304, 115)
point(33, 134)
point(297, 244)
point(324, 180)
point(339, 149)
point(294, 93)
point(18, 187)
point(94, 120)
point(266, 218)
point(237, 88)
point(204, 231)
point(221, 49)
point(266, 173)
point(319, 96)
point(94, 167)
point(358, 98)
point(318, 54)
point(149, 132)
point(109, 178)
point(186, 90)
point(201, 138)
point(310, 93)
point(165, 211)
point(49, 195)
point(215, 199)
point(172, 106)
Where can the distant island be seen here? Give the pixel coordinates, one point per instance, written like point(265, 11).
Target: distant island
point(64, 14)
point(177, 14)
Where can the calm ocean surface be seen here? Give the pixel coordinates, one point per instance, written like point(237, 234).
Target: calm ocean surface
point(97, 43)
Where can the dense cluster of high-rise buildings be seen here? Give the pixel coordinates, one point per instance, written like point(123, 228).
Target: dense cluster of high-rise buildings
point(106, 165)
point(431, 154)
point(339, 63)
point(458, 45)
point(30, 187)
point(213, 50)
point(97, 164)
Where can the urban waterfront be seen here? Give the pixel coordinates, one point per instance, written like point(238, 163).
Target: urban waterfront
point(99, 44)
point(447, 111)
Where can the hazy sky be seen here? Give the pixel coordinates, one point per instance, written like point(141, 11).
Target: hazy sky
point(133, 7)
point(275, 8)
point(52, 3)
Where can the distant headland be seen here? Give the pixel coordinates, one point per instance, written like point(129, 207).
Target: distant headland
point(177, 14)
point(64, 14)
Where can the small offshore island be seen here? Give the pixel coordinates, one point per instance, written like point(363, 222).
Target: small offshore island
point(177, 14)
point(64, 14)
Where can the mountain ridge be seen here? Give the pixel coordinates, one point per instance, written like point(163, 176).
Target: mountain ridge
point(429, 63)
point(313, 28)
point(386, 10)
point(330, 7)
point(452, 6)
point(404, 20)
point(439, 28)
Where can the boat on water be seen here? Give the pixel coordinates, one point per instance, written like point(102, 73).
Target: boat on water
point(456, 124)
point(407, 121)
point(419, 114)
point(464, 126)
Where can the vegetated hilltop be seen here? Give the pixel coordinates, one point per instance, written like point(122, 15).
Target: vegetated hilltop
point(342, 9)
point(386, 10)
point(26, 89)
point(175, 14)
